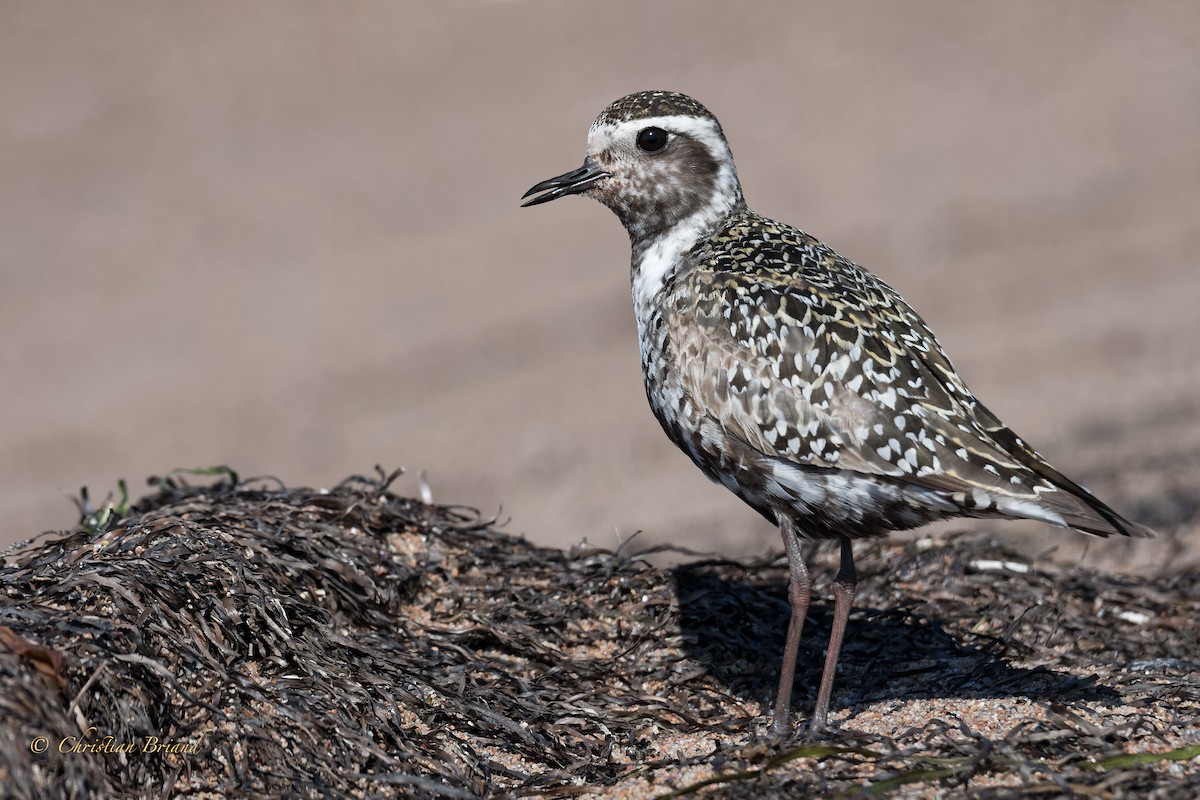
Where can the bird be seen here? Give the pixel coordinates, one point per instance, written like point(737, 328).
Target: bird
point(792, 376)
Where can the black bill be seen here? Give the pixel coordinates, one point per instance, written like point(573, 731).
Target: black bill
point(570, 183)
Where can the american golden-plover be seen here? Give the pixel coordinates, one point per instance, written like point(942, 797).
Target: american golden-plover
point(799, 380)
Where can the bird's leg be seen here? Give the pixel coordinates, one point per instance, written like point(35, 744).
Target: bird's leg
point(799, 591)
point(843, 596)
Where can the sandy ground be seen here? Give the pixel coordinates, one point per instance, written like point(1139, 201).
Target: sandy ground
point(352, 643)
point(286, 237)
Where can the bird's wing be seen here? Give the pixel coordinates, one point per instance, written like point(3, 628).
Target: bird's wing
point(818, 362)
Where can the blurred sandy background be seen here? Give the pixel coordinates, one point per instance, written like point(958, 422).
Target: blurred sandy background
point(286, 237)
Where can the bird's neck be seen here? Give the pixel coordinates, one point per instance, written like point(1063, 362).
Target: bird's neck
point(656, 258)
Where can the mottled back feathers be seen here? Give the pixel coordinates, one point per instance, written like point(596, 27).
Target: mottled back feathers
point(812, 360)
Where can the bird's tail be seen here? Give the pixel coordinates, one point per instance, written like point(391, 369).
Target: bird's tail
point(1077, 507)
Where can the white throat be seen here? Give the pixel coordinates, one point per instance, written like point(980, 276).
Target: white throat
point(660, 259)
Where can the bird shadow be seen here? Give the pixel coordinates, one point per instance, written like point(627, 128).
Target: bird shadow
point(735, 628)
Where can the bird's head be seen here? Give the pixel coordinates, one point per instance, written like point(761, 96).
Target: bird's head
point(656, 159)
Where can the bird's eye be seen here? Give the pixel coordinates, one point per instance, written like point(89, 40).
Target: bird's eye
point(652, 139)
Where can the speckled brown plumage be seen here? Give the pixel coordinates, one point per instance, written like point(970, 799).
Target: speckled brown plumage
point(804, 382)
point(794, 377)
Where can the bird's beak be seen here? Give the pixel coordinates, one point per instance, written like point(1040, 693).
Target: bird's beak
point(570, 183)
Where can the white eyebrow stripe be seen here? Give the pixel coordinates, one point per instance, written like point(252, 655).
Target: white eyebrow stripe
point(699, 128)
point(706, 131)
point(680, 123)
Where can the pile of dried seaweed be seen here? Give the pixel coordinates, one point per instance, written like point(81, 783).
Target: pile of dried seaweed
point(290, 642)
